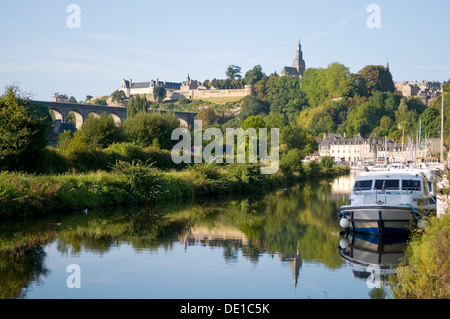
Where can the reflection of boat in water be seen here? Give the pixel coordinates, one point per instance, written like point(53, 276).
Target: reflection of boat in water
point(387, 203)
point(377, 167)
point(358, 166)
point(363, 251)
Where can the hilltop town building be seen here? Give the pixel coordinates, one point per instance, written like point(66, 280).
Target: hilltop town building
point(298, 66)
point(190, 84)
point(133, 88)
point(427, 91)
point(60, 98)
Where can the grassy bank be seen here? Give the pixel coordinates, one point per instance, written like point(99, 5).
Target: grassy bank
point(24, 195)
point(425, 270)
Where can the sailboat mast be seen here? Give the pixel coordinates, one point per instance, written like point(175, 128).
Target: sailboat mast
point(420, 136)
point(442, 126)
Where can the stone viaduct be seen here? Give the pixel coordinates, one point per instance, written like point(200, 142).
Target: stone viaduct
point(119, 114)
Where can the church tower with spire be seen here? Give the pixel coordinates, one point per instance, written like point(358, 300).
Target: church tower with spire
point(299, 63)
point(298, 66)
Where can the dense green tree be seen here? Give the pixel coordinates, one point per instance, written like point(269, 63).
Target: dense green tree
point(260, 88)
point(362, 119)
point(365, 117)
point(386, 125)
point(285, 96)
point(131, 111)
point(73, 100)
point(208, 116)
point(254, 75)
point(431, 118)
point(118, 96)
point(317, 120)
point(374, 78)
point(101, 101)
point(100, 132)
point(225, 84)
point(294, 136)
point(207, 84)
point(406, 120)
point(23, 130)
point(275, 120)
point(233, 72)
point(255, 122)
point(335, 81)
point(136, 104)
point(146, 128)
point(251, 106)
point(159, 93)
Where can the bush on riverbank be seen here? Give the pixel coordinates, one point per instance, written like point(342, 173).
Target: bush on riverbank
point(425, 271)
point(133, 183)
point(82, 158)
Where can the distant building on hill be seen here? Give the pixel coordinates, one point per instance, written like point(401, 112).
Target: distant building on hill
point(427, 91)
point(133, 88)
point(298, 66)
point(190, 84)
point(60, 98)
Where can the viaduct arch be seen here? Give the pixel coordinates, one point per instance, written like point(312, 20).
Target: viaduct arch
point(82, 111)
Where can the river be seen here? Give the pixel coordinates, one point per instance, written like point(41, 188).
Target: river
point(286, 244)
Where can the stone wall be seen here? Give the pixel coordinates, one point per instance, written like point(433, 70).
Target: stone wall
point(203, 94)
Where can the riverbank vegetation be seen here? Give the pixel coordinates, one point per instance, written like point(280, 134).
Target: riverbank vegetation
point(26, 195)
point(104, 164)
point(425, 270)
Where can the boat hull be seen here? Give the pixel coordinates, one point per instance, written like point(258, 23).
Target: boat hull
point(379, 219)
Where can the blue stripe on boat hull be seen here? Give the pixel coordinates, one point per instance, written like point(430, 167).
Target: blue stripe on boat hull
point(386, 231)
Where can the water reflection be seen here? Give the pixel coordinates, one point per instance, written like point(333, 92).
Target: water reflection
point(367, 253)
point(299, 227)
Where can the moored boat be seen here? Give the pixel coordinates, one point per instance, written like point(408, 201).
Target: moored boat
point(387, 203)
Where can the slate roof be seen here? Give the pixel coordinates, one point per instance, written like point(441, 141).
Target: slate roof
point(140, 85)
point(289, 71)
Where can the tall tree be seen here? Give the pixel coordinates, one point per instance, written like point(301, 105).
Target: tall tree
point(208, 116)
point(251, 106)
point(374, 78)
point(233, 72)
point(118, 96)
point(254, 75)
point(73, 100)
point(23, 130)
point(159, 93)
point(146, 128)
point(100, 132)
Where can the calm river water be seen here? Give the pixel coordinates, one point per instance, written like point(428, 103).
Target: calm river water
point(285, 244)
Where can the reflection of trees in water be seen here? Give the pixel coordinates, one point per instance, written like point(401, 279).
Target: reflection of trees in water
point(301, 221)
point(17, 271)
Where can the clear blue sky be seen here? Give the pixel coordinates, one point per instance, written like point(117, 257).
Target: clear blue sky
point(169, 39)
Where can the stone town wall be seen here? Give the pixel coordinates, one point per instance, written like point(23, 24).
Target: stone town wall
point(202, 94)
point(199, 94)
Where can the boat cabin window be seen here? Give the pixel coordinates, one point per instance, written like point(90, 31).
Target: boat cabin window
point(363, 185)
point(410, 185)
point(390, 184)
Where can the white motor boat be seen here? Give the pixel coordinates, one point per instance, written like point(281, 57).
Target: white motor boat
point(387, 203)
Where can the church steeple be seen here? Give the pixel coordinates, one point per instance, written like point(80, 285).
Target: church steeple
point(299, 63)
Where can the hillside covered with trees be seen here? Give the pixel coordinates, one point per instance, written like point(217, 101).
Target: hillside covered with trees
point(333, 100)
